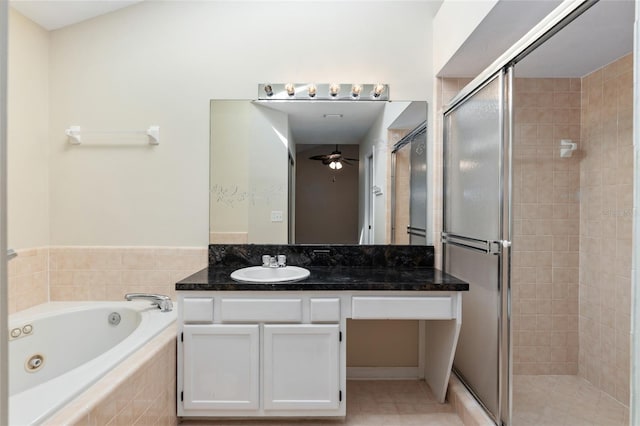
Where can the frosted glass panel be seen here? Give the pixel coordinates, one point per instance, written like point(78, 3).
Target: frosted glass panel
point(477, 353)
point(472, 165)
point(418, 201)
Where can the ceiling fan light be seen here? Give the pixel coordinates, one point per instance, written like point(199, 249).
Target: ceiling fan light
point(338, 165)
point(333, 165)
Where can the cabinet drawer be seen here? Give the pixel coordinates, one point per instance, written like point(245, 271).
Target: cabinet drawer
point(325, 309)
point(261, 310)
point(197, 310)
point(437, 307)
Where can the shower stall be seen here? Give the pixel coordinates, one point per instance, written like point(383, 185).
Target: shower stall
point(537, 217)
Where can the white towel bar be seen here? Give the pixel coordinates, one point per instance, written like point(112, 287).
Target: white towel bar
point(75, 133)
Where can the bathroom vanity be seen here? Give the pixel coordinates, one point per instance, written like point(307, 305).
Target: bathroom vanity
point(279, 350)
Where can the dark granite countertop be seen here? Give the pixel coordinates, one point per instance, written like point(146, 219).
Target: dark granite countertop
point(325, 278)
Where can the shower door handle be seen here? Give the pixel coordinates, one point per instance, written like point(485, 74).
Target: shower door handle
point(419, 232)
point(484, 246)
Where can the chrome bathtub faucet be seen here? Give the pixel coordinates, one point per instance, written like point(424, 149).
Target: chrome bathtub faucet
point(161, 301)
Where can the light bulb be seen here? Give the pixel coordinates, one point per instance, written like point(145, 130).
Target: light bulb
point(355, 91)
point(338, 165)
point(378, 89)
point(334, 89)
point(332, 165)
point(290, 88)
point(312, 90)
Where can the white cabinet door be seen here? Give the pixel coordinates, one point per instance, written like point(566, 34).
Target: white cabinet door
point(301, 367)
point(221, 367)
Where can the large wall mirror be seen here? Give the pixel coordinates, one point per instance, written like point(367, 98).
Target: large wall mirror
point(318, 172)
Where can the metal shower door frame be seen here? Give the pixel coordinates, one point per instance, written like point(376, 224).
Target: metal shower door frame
point(500, 247)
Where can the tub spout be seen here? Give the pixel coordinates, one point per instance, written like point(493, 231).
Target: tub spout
point(161, 301)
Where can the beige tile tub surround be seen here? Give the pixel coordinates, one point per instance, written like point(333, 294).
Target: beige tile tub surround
point(606, 181)
point(139, 391)
point(28, 275)
point(107, 273)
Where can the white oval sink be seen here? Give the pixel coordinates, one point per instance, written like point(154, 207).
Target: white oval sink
point(260, 274)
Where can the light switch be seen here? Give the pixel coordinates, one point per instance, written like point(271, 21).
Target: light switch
point(276, 216)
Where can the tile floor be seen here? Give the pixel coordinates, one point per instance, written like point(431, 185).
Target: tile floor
point(373, 403)
point(564, 401)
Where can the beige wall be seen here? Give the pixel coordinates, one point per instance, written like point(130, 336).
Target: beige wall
point(27, 134)
point(546, 213)
point(171, 60)
point(248, 160)
point(606, 211)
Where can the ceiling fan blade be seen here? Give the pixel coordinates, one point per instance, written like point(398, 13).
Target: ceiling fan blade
point(319, 157)
point(351, 159)
point(344, 161)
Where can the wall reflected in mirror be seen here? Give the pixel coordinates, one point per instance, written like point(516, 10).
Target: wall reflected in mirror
point(312, 172)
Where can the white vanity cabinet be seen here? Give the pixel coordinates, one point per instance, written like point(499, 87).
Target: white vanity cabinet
point(283, 353)
point(245, 356)
point(221, 367)
point(301, 367)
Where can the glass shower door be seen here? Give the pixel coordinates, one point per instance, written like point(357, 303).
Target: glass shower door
point(474, 238)
point(417, 228)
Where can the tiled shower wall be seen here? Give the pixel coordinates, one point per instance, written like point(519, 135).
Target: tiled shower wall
point(606, 182)
point(546, 212)
point(97, 273)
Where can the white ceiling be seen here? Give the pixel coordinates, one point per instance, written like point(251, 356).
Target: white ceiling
point(55, 14)
point(599, 36)
point(596, 38)
point(318, 122)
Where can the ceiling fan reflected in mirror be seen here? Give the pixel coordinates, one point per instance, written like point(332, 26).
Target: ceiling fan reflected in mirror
point(334, 160)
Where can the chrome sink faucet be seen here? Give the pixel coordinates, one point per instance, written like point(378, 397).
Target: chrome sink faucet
point(279, 261)
point(161, 301)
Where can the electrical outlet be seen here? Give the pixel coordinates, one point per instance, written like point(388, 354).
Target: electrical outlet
point(276, 216)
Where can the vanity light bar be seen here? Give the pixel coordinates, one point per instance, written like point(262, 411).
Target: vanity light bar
point(329, 91)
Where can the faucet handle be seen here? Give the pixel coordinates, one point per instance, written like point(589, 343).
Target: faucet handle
point(266, 260)
point(282, 260)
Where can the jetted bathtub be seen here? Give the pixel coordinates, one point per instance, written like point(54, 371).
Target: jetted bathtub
point(58, 349)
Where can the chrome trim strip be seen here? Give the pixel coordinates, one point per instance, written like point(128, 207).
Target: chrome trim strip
point(4, 306)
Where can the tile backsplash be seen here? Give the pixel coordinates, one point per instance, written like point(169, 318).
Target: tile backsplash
point(98, 273)
point(28, 276)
